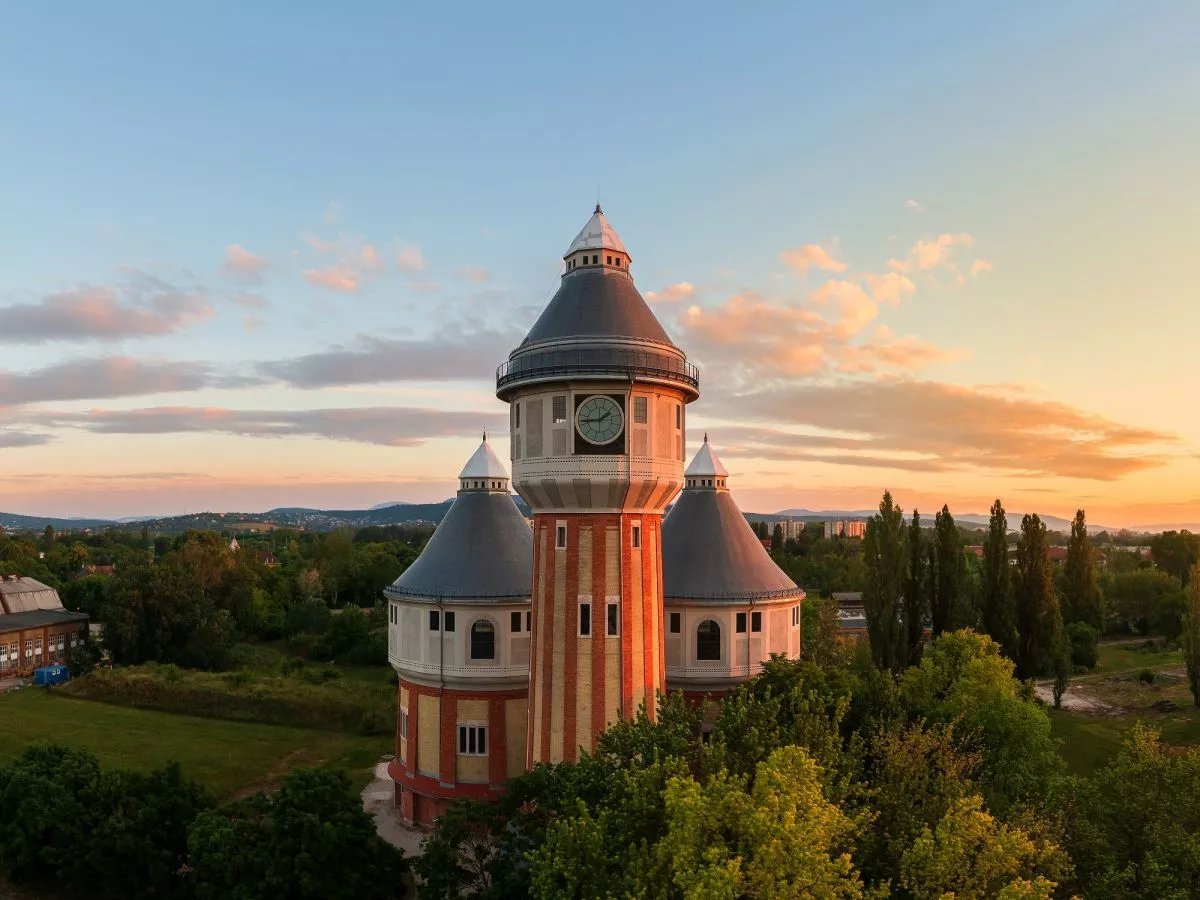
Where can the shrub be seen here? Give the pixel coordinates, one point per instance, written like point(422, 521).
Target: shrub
point(1085, 647)
point(1146, 676)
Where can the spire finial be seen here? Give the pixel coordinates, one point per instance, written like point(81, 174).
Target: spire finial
point(485, 435)
point(598, 209)
point(706, 437)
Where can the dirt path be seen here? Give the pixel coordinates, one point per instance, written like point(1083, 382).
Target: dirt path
point(379, 801)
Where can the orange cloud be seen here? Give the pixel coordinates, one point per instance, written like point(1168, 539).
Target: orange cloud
point(673, 293)
point(931, 254)
point(476, 274)
point(890, 288)
point(410, 259)
point(856, 310)
point(980, 266)
point(811, 256)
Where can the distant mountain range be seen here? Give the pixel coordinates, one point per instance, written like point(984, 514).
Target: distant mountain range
point(400, 512)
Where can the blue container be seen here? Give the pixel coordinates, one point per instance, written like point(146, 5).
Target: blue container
point(50, 675)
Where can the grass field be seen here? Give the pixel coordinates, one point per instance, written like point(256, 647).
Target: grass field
point(229, 758)
point(1088, 740)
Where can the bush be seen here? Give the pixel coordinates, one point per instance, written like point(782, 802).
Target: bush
point(1085, 644)
point(1167, 617)
point(1146, 676)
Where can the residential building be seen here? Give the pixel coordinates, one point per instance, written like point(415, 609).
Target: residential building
point(35, 629)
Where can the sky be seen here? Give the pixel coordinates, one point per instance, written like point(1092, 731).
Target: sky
point(259, 255)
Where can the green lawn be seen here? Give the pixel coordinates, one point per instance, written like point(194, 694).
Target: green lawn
point(229, 758)
point(1126, 657)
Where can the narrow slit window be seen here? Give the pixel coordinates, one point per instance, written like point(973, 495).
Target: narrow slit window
point(613, 619)
point(639, 410)
point(514, 622)
point(675, 623)
point(560, 537)
point(435, 620)
point(449, 623)
point(756, 622)
point(517, 423)
point(741, 623)
point(585, 619)
point(636, 536)
point(559, 405)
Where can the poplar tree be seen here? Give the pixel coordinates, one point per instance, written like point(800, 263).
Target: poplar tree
point(948, 585)
point(1191, 634)
point(999, 618)
point(1039, 619)
point(914, 592)
point(883, 552)
point(1081, 601)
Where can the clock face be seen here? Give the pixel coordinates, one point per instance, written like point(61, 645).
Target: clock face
point(599, 420)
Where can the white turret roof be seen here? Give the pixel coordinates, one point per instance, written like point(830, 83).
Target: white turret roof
point(706, 463)
point(484, 463)
point(597, 234)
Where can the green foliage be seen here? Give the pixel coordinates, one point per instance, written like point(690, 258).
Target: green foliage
point(1132, 597)
point(1081, 597)
point(1085, 644)
point(113, 833)
point(1191, 635)
point(998, 612)
point(820, 632)
point(1133, 829)
point(1176, 553)
point(1039, 620)
point(915, 604)
point(1167, 616)
point(884, 553)
point(310, 839)
point(948, 572)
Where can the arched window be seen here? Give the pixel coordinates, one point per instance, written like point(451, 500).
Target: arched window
point(483, 640)
point(708, 640)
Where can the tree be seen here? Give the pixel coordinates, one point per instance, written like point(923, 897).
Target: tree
point(820, 631)
point(1133, 597)
point(1085, 644)
point(1081, 599)
point(970, 855)
point(310, 839)
point(915, 602)
point(999, 616)
point(48, 538)
point(1039, 621)
point(777, 539)
point(1191, 634)
point(948, 584)
point(883, 549)
point(1176, 553)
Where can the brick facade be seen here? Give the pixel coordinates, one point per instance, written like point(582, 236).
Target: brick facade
point(24, 649)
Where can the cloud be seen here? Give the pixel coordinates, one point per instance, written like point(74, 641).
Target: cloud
point(12, 439)
point(475, 274)
point(341, 278)
point(672, 293)
point(243, 265)
point(423, 287)
point(119, 376)
point(884, 350)
point(143, 306)
point(914, 206)
point(251, 301)
point(410, 259)
point(369, 258)
point(890, 288)
point(980, 266)
point(856, 309)
point(931, 254)
point(904, 424)
point(386, 425)
point(811, 256)
point(253, 323)
point(371, 360)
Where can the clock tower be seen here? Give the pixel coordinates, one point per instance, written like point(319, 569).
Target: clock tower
point(597, 394)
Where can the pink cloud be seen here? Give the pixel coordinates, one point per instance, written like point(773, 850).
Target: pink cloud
point(856, 310)
point(340, 277)
point(369, 258)
point(476, 274)
point(241, 264)
point(890, 288)
point(253, 323)
point(931, 254)
point(410, 259)
point(672, 293)
point(980, 266)
point(811, 256)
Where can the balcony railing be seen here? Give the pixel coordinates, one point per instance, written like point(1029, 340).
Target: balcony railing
point(607, 363)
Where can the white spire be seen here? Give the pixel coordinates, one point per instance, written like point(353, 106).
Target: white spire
point(484, 464)
point(597, 234)
point(706, 464)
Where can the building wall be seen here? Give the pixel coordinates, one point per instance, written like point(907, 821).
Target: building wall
point(580, 684)
point(742, 654)
point(421, 653)
point(428, 768)
point(36, 647)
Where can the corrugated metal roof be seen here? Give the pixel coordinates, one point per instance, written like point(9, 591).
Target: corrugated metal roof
point(26, 595)
point(482, 550)
point(711, 554)
point(36, 618)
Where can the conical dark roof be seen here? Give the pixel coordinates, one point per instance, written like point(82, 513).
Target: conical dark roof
point(482, 550)
point(709, 551)
point(593, 303)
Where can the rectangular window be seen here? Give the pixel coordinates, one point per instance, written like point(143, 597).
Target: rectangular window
point(675, 621)
point(639, 410)
point(741, 623)
point(37, 647)
point(636, 536)
point(529, 621)
point(403, 722)
point(517, 422)
point(472, 740)
point(585, 619)
point(560, 537)
point(449, 621)
point(678, 416)
point(756, 622)
point(559, 407)
point(435, 623)
point(612, 619)
point(609, 260)
point(514, 622)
